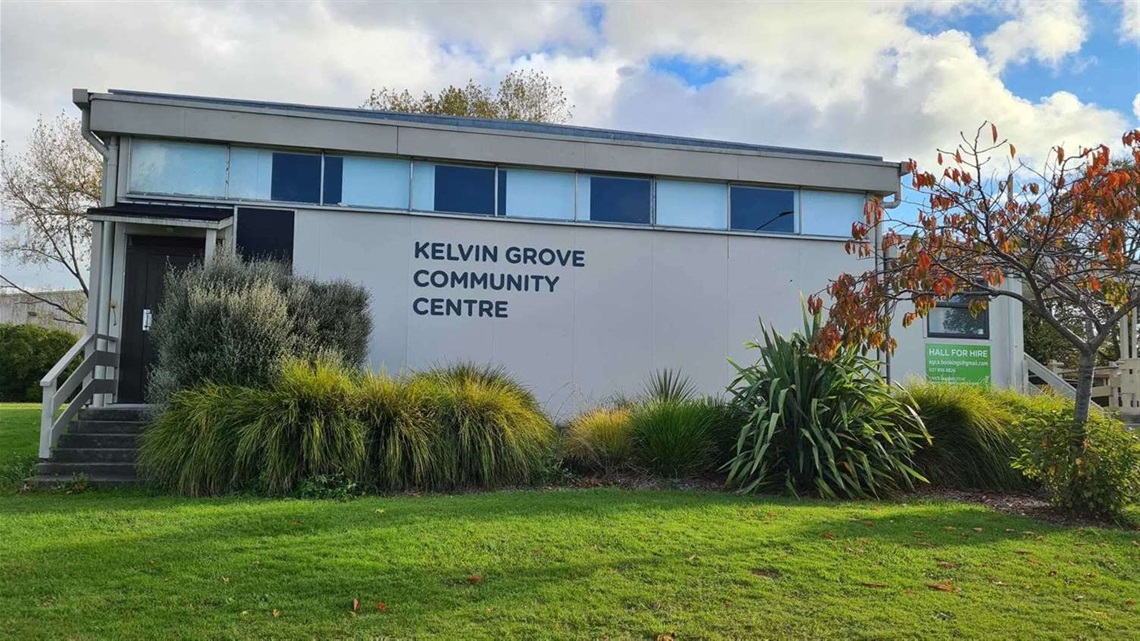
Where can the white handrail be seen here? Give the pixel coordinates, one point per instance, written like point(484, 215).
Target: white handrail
point(82, 379)
point(1051, 378)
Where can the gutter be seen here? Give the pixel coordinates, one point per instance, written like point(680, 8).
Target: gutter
point(82, 99)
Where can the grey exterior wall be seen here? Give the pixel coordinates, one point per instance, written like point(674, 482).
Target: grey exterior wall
point(645, 299)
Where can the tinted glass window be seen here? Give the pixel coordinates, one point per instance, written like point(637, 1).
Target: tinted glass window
point(526, 193)
point(953, 318)
point(185, 169)
point(616, 200)
point(764, 210)
point(692, 204)
point(372, 182)
point(334, 171)
point(265, 233)
point(296, 178)
point(467, 190)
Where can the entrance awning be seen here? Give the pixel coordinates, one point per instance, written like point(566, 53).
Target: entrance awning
point(165, 215)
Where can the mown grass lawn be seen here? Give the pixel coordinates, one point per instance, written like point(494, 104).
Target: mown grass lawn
point(551, 564)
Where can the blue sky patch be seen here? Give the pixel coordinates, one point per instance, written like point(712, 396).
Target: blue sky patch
point(695, 73)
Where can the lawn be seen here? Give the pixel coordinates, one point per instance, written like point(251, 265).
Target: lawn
point(549, 564)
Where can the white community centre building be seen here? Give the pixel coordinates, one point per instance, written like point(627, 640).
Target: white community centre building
point(581, 260)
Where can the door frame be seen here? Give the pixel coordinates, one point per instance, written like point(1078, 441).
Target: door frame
point(181, 243)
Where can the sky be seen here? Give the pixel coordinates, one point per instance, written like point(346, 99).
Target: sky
point(896, 78)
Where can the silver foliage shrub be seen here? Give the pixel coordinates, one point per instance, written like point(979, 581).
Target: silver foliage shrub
point(233, 322)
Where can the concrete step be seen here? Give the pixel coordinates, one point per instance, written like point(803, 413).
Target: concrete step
point(59, 468)
point(93, 455)
point(133, 413)
point(88, 426)
point(50, 481)
point(97, 441)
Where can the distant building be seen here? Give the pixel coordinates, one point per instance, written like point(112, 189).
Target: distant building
point(18, 308)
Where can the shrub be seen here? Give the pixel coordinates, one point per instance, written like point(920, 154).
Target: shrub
point(27, 352)
point(1105, 479)
point(600, 439)
point(832, 427)
point(232, 322)
point(470, 372)
point(972, 438)
point(674, 438)
point(307, 428)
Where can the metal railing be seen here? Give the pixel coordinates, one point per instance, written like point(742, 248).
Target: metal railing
point(89, 379)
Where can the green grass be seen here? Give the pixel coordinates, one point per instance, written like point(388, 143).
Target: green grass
point(19, 443)
point(552, 564)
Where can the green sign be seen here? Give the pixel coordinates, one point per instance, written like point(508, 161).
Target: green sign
point(948, 363)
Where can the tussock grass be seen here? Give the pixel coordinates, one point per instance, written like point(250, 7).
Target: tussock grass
point(972, 432)
point(466, 427)
point(599, 440)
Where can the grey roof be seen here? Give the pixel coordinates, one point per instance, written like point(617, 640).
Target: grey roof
point(570, 131)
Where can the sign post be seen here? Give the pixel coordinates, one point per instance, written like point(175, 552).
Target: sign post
point(950, 363)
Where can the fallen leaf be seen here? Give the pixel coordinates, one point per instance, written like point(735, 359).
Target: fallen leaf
point(829, 535)
point(1130, 602)
point(946, 565)
point(768, 573)
point(1031, 559)
point(998, 582)
point(664, 637)
point(276, 614)
point(245, 613)
point(949, 528)
point(873, 585)
point(945, 586)
point(1009, 529)
point(694, 558)
point(225, 579)
point(1078, 598)
point(356, 605)
point(920, 534)
point(381, 606)
point(978, 529)
point(474, 578)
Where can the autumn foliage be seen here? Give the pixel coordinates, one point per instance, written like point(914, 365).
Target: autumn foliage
point(1063, 238)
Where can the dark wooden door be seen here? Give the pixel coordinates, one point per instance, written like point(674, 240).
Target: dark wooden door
point(148, 258)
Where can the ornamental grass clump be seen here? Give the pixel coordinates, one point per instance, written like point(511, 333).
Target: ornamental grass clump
point(599, 440)
point(307, 427)
point(826, 427)
point(972, 437)
point(189, 448)
point(403, 433)
point(674, 438)
point(491, 431)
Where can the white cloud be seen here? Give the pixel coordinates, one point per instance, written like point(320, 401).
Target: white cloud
point(1129, 21)
point(1047, 31)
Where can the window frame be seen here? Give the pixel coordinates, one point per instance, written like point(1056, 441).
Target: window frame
point(965, 304)
point(797, 209)
point(650, 178)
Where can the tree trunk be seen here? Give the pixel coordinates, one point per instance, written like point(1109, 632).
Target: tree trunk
point(1086, 363)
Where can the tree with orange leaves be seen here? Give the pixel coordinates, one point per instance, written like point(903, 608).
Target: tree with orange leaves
point(1068, 232)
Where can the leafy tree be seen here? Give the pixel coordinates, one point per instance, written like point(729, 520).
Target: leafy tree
point(46, 191)
point(1068, 231)
point(522, 95)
